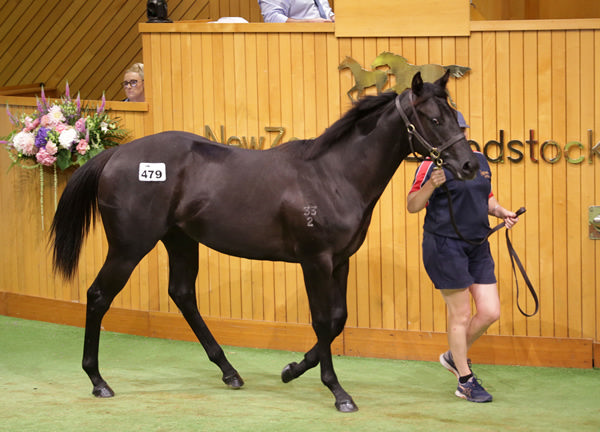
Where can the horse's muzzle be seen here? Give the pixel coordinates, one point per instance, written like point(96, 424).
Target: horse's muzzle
point(466, 171)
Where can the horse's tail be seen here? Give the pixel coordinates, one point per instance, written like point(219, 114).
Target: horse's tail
point(75, 212)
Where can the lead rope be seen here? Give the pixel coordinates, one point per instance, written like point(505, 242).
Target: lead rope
point(511, 252)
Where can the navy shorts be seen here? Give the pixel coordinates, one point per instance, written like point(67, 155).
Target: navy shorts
point(454, 264)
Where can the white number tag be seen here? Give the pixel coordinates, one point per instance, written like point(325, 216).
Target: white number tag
point(152, 172)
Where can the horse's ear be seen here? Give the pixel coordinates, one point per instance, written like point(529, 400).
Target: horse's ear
point(444, 79)
point(417, 84)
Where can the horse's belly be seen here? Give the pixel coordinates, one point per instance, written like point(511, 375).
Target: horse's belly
point(257, 250)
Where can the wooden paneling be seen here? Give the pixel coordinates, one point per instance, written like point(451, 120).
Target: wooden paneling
point(245, 80)
point(247, 9)
point(402, 18)
point(31, 215)
point(533, 9)
point(89, 43)
point(359, 342)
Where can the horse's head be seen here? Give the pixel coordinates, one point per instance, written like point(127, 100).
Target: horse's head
point(346, 63)
point(435, 128)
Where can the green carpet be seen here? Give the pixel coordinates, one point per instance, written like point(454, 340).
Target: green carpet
point(164, 385)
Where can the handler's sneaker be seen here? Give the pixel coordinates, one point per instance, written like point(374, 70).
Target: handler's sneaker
point(473, 391)
point(448, 362)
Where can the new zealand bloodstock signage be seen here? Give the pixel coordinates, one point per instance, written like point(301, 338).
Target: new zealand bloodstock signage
point(549, 151)
point(499, 150)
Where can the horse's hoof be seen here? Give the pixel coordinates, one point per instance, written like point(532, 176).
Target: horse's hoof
point(287, 374)
point(103, 391)
point(346, 406)
point(234, 381)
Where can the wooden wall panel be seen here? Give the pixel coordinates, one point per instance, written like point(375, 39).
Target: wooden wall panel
point(242, 80)
point(89, 43)
point(24, 248)
point(518, 83)
point(533, 9)
point(402, 18)
point(247, 9)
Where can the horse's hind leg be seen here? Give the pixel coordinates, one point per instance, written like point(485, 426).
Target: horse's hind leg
point(108, 283)
point(327, 299)
point(183, 270)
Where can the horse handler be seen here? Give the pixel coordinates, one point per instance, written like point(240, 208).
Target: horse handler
point(458, 267)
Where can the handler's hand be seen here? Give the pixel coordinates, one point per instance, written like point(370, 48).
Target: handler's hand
point(437, 178)
point(510, 218)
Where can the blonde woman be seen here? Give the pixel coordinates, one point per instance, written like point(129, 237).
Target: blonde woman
point(133, 83)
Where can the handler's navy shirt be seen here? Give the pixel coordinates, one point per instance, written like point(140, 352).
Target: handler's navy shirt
point(469, 202)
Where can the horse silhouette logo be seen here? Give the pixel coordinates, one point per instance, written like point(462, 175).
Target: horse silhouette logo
point(403, 71)
point(363, 78)
point(400, 68)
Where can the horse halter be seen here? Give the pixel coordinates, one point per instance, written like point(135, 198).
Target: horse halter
point(435, 153)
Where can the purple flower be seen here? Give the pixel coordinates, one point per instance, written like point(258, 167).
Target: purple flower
point(78, 101)
point(11, 117)
point(101, 107)
point(67, 91)
point(39, 104)
point(44, 101)
point(80, 125)
point(41, 137)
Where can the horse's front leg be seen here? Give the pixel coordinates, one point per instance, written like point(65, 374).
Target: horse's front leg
point(183, 270)
point(326, 291)
point(294, 370)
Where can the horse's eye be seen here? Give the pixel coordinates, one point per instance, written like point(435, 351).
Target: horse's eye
point(435, 121)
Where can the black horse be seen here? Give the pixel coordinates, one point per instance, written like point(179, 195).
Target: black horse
point(308, 202)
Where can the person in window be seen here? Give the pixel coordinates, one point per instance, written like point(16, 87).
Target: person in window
point(133, 83)
point(280, 11)
point(458, 269)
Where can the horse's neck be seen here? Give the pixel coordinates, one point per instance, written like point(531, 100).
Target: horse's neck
point(354, 67)
point(399, 66)
point(371, 161)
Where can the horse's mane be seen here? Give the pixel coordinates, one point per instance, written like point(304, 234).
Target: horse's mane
point(362, 115)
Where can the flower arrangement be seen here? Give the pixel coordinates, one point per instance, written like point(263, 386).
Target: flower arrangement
point(61, 133)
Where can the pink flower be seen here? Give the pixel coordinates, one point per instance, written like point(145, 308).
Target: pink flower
point(45, 121)
point(82, 147)
point(80, 125)
point(60, 127)
point(51, 148)
point(55, 115)
point(31, 124)
point(44, 158)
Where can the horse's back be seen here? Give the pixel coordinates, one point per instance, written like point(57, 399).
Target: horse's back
point(207, 189)
point(145, 178)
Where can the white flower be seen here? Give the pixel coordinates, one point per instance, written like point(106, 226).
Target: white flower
point(67, 137)
point(104, 127)
point(24, 142)
point(55, 115)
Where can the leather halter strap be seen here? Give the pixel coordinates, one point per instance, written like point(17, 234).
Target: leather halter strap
point(514, 258)
point(434, 152)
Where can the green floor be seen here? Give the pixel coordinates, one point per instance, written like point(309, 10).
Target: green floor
point(164, 385)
